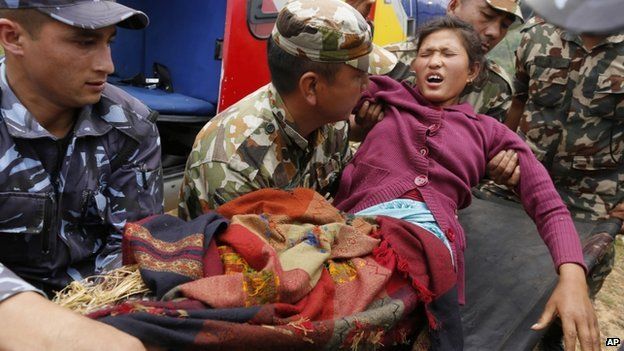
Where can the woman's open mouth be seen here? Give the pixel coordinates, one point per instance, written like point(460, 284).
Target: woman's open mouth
point(434, 79)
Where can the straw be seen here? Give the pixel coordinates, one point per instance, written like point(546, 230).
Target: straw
point(95, 292)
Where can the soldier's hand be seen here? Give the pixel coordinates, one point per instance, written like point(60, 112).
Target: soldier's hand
point(618, 212)
point(504, 168)
point(364, 120)
point(30, 322)
point(570, 301)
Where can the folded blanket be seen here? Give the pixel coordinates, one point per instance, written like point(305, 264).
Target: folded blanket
point(291, 272)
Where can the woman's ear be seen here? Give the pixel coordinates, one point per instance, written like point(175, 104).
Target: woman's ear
point(11, 36)
point(308, 87)
point(473, 72)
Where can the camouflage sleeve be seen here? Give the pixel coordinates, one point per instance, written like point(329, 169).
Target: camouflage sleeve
point(208, 185)
point(499, 110)
point(135, 191)
point(11, 284)
point(521, 78)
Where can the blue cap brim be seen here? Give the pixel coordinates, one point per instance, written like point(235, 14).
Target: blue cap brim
point(97, 14)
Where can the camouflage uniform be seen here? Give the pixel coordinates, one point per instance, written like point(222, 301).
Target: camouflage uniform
point(574, 114)
point(62, 206)
point(255, 144)
point(574, 119)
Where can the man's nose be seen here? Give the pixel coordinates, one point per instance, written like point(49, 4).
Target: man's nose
point(104, 60)
point(493, 31)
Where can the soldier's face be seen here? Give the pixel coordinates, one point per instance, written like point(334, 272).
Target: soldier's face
point(442, 67)
point(491, 24)
point(66, 66)
point(337, 98)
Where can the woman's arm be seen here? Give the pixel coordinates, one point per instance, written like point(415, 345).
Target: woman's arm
point(570, 300)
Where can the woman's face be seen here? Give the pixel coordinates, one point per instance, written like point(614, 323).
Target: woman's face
point(443, 68)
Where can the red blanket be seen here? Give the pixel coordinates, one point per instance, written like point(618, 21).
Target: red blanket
point(299, 273)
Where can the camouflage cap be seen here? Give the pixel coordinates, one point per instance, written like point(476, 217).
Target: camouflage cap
point(330, 31)
point(90, 14)
point(582, 16)
point(509, 6)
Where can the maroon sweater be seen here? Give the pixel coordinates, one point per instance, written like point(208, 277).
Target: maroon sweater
point(443, 153)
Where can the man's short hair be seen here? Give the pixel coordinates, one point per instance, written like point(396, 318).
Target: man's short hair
point(287, 69)
point(30, 19)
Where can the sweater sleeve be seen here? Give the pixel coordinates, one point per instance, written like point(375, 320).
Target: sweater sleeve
point(540, 198)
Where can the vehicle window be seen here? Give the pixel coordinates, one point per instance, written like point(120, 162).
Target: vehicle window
point(261, 16)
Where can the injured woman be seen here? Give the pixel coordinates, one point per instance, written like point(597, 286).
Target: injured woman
point(420, 162)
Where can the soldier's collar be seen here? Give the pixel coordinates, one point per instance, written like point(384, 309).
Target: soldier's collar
point(88, 126)
point(285, 120)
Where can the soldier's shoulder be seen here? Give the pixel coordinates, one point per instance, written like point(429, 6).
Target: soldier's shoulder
point(498, 74)
point(408, 45)
point(247, 121)
point(538, 25)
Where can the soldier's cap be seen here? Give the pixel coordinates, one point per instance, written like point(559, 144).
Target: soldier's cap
point(330, 31)
point(582, 16)
point(509, 6)
point(88, 14)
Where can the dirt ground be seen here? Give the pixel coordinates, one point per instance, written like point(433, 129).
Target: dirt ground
point(610, 300)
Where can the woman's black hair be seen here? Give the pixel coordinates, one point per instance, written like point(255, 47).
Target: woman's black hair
point(470, 39)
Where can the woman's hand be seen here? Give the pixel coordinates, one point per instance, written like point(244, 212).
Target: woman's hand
point(570, 301)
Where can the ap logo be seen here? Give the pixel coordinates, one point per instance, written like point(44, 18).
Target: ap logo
point(612, 342)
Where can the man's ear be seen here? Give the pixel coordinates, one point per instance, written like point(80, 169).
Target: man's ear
point(11, 36)
point(308, 87)
point(452, 6)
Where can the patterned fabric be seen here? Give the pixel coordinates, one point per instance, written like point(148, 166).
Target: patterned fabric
point(62, 207)
point(415, 212)
point(574, 114)
point(301, 275)
point(88, 14)
point(330, 31)
point(170, 251)
point(490, 96)
point(254, 145)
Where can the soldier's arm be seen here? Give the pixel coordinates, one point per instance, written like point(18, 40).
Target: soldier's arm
point(520, 84)
point(209, 185)
point(512, 121)
point(135, 191)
